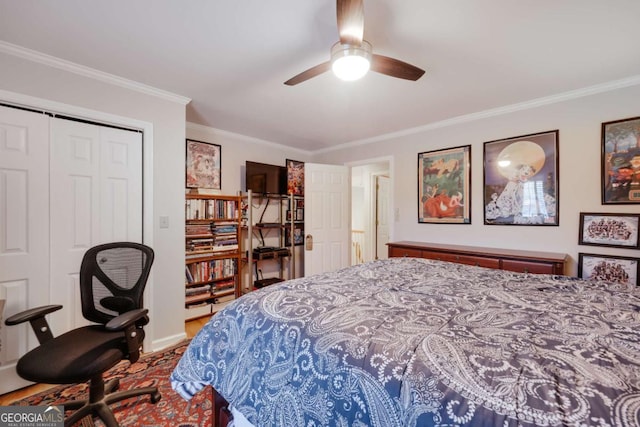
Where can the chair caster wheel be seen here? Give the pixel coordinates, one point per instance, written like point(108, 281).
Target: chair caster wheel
point(155, 397)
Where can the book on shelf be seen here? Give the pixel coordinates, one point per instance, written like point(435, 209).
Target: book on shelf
point(223, 287)
point(199, 290)
point(188, 274)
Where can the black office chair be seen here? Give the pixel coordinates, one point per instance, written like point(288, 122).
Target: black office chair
point(112, 280)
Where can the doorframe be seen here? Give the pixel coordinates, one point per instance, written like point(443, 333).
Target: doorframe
point(374, 206)
point(390, 161)
point(31, 102)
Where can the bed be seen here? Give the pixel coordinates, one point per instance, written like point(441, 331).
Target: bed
point(416, 342)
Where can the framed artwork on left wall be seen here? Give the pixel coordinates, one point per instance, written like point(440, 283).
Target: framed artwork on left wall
point(203, 165)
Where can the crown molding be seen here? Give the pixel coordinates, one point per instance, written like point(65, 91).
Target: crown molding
point(72, 67)
point(219, 134)
point(493, 112)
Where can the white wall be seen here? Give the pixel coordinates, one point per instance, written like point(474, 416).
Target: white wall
point(164, 147)
point(579, 122)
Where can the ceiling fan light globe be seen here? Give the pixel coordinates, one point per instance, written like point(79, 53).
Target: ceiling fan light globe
point(350, 62)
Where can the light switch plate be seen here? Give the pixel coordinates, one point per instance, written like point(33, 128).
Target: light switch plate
point(164, 221)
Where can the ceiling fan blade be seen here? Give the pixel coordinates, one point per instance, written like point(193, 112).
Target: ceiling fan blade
point(395, 68)
point(310, 73)
point(350, 15)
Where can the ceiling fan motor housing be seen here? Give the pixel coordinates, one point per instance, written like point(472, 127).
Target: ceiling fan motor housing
point(350, 62)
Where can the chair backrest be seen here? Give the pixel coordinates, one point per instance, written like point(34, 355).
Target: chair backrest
point(112, 279)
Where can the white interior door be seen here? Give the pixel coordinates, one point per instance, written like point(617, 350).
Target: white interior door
point(382, 216)
point(96, 193)
point(24, 230)
point(327, 218)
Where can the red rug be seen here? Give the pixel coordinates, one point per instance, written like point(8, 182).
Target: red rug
point(152, 369)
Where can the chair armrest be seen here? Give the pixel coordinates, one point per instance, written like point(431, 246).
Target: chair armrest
point(32, 313)
point(128, 323)
point(121, 322)
point(35, 316)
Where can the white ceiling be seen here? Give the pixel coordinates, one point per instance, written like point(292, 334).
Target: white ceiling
point(232, 57)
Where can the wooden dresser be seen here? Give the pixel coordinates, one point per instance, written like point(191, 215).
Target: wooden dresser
point(503, 259)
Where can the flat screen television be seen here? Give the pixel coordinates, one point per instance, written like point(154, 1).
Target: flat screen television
point(262, 178)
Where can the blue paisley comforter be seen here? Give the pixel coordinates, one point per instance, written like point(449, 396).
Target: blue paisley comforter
point(413, 342)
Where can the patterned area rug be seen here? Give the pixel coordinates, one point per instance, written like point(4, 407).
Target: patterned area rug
point(152, 369)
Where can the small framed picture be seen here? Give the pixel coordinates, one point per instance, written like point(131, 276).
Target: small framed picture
point(608, 268)
point(621, 162)
point(444, 186)
point(298, 235)
point(203, 165)
point(521, 180)
point(609, 229)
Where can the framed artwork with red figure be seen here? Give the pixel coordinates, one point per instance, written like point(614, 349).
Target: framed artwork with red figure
point(444, 186)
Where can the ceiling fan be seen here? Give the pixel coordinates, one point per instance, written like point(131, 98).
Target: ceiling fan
point(352, 56)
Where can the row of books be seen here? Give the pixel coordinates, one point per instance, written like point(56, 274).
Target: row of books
point(204, 238)
point(218, 288)
point(210, 252)
point(211, 228)
point(210, 209)
point(205, 271)
point(211, 244)
point(223, 290)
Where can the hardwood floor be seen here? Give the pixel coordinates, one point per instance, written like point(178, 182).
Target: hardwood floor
point(191, 328)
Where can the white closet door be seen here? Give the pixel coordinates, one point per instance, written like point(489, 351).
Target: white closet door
point(24, 230)
point(96, 197)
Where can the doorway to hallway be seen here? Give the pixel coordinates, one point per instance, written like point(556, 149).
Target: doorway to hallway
point(371, 195)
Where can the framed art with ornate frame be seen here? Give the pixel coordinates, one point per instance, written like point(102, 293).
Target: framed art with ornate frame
point(444, 186)
point(521, 180)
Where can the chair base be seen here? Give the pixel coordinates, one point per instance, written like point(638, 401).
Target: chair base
point(100, 397)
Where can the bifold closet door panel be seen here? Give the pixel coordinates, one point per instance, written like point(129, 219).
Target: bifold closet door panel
point(24, 230)
point(96, 197)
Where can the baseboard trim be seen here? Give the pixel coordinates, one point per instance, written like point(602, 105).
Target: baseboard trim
point(168, 341)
